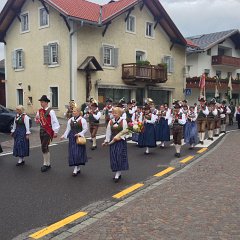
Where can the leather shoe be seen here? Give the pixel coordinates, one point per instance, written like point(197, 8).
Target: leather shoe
point(146, 153)
point(20, 164)
point(93, 147)
point(45, 168)
point(117, 179)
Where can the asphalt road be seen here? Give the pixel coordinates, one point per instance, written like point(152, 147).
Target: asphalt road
point(31, 199)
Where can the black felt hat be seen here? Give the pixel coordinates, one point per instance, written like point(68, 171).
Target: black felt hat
point(44, 99)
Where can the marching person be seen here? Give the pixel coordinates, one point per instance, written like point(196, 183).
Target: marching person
point(147, 138)
point(178, 121)
point(94, 116)
point(224, 110)
point(20, 133)
point(76, 126)
point(211, 118)
point(162, 126)
point(202, 112)
point(191, 132)
point(49, 127)
point(107, 110)
point(70, 107)
point(217, 121)
point(118, 150)
point(232, 114)
point(238, 116)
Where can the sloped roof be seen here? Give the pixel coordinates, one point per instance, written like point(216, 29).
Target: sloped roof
point(91, 64)
point(94, 13)
point(206, 41)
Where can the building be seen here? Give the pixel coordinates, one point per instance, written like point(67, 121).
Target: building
point(2, 83)
point(218, 56)
point(77, 49)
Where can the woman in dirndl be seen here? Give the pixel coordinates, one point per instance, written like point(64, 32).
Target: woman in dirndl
point(20, 132)
point(118, 149)
point(147, 138)
point(162, 128)
point(76, 126)
point(191, 131)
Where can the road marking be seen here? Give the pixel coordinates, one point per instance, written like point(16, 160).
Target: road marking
point(57, 225)
point(169, 169)
point(127, 191)
point(202, 150)
point(187, 159)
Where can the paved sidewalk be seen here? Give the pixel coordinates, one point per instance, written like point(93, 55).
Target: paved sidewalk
point(202, 201)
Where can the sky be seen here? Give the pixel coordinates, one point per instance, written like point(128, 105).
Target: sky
point(193, 17)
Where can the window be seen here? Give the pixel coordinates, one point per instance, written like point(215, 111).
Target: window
point(43, 17)
point(20, 96)
point(221, 52)
point(149, 29)
point(131, 24)
point(209, 52)
point(24, 22)
point(219, 74)
point(170, 63)
point(140, 56)
point(110, 56)
point(18, 59)
point(114, 93)
point(51, 54)
point(54, 97)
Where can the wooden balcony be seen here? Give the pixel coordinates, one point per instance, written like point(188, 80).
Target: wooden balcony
point(226, 61)
point(132, 73)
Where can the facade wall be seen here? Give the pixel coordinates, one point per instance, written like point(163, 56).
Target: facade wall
point(36, 75)
point(37, 78)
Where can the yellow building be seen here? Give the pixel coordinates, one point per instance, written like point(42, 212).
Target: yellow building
point(126, 48)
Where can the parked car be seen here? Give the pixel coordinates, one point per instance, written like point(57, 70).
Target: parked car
point(6, 119)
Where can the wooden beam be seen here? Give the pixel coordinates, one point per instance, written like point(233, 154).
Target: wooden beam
point(44, 5)
point(106, 27)
point(128, 14)
point(157, 19)
point(66, 22)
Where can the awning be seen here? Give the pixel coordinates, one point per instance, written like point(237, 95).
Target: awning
point(90, 64)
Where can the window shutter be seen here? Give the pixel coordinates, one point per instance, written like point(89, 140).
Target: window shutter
point(46, 55)
point(23, 59)
point(102, 56)
point(14, 59)
point(115, 59)
point(171, 69)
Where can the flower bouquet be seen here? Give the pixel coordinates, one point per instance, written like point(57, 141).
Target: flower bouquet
point(137, 128)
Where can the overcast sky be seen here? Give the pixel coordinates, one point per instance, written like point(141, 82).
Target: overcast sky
point(194, 17)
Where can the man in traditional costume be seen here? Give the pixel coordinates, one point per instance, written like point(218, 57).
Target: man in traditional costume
point(49, 127)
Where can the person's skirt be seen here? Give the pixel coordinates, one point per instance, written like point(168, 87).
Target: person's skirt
point(118, 156)
point(77, 154)
point(135, 137)
point(191, 133)
point(21, 144)
point(149, 135)
point(162, 130)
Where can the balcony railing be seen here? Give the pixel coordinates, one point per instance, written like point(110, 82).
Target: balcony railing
point(132, 72)
point(226, 61)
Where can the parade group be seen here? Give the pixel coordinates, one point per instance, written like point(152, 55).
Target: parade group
point(146, 125)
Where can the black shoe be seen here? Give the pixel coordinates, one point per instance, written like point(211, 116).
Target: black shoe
point(176, 154)
point(74, 174)
point(201, 142)
point(146, 153)
point(20, 164)
point(216, 135)
point(211, 139)
point(190, 148)
point(117, 179)
point(45, 168)
point(161, 146)
point(93, 147)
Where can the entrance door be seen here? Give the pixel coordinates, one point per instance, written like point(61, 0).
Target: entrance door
point(140, 95)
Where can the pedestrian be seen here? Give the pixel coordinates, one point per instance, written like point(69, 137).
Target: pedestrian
point(238, 116)
point(107, 110)
point(1, 150)
point(178, 121)
point(94, 116)
point(202, 112)
point(224, 110)
point(191, 132)
point(213, 112)
point(49, 127)
point(76, 126)
point(118, 150)
point(20, 132)
point(231, 115)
